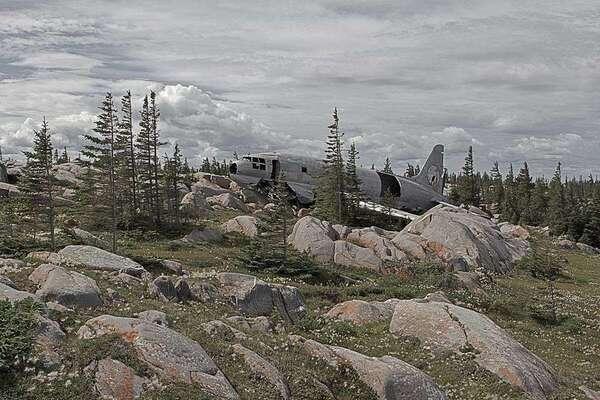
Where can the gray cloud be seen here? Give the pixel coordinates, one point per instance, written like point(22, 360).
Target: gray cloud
point(515, 79)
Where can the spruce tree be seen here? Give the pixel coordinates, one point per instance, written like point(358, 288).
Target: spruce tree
point(154, 115)
point(497, 196)
point(330, 202)
point(466, 190)
point(37, 181)
point(509, 205)
point(410, 171)
point(523, 195)
point(101, 149)
point(539, 202)
point(144, 160)
point(555, 215)
point(387, 166)
point(125, 154)
point(353, 183)
point(173, 173)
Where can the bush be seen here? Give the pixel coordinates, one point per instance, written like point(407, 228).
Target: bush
point(19, 322)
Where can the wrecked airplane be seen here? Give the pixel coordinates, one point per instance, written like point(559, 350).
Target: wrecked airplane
point(412, 195)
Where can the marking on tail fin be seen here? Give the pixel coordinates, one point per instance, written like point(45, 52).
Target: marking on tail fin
point(432, 173)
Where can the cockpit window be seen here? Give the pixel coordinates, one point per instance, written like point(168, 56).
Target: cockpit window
point(248, 158)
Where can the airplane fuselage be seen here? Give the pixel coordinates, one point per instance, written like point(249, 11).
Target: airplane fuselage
point(301, 174)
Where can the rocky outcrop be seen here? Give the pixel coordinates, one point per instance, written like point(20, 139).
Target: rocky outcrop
point(362, 312)
point(447, 327)
point(465, 240)
point(91, 257)
point(265, 369)
point(389, 377)
point(116, 381)
point(206, 188)
point(514, 231)
point(11, 264)
point(154, 316)
point(226, 200)
point(48, 338)
point(163, 289)
point(254, 297)
point(243, 224)
point(65, 287)
point(69, 173)
point(378, 240)
point(170, 354)
point(315, 237)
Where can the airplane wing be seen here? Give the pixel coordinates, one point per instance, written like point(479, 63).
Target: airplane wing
point(369, 205)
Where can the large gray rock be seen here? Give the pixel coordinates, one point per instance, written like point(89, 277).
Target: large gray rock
point(163, 289)
point(411, 244)
point(94, 258)
point(362, 312)
point(351, 255)
point(447, 327)
point(13, 295)
point(65, 287)
point(264, 368)
point(207, 188)
point(389, 377)
point(154, 316)
point(70, 173)
point(514, 231)
point(227, 200)
point(243, 224)
point(48, 338)
point(198, 236)
point(466, 240)
point(222, 181)
point(254, 297)
point(315, 237)
point(170, 354)
point(193, 204)
point(116, 381)
point(173, 266)
point(11, 264)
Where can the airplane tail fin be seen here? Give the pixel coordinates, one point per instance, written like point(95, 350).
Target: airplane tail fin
point(432, 173)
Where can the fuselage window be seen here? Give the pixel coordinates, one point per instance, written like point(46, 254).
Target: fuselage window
point(259, 163)
point(304, 170)
point(248, 158)
point(255, 166)
point(263, 167)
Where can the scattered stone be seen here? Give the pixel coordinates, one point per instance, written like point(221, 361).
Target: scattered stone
point(194, 205)
point(44, 257)
point(254, 297)
point(13, 295)
point(207, 188)
point(163, 289)
point(127, 279)
point(170, 354)
point(154, 316)
point(94, 258)
point(204, 292)
point(389, 377)
point(447, 327)
point(65, 287)
point(11, 264)
point(351, 255)
point(243, 224)
point(220, 180)
point(222, 330)
point(567, 244)
point(227, 200)
point(315, 237)
point(303, 212)
point(173, 266)
point(264, 368)
point(362, 312)
point(53, 306)
point(6, 281)
point(198, 236)
point(116, 381)
point(87, 238)
point(48, 337)
point(182, 288)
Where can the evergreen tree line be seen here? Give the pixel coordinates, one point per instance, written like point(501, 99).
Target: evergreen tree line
point(126, 182)
point(568, 206)
point(215, 167)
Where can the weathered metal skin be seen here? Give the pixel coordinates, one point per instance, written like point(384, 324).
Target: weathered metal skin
point(416, 194)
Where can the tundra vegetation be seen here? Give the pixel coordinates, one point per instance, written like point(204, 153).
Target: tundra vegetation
point(185, 236)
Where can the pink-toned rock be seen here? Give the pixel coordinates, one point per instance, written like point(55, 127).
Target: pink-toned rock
point(362, 312)
point(116, 381)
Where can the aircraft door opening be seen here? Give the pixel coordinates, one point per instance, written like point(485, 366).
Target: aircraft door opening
point(389, 182)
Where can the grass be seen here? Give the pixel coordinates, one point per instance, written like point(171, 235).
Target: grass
point(571, 347)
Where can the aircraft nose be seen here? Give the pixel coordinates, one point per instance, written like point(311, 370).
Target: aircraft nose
point(233, 168)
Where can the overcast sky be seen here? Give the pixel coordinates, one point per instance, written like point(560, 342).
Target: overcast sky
point(518, 80)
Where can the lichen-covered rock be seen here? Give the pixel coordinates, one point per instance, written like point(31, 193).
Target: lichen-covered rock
point(514, 231)
point(94, 258)
point(315, 237)
point(264, 368)
point(362, 312)
point(170, 354)
point(379, 241)
point(351, 255)
point(65, 287)
point(13, 295)
point(243, 224)
point(447, 327)
point(116, 381)
point(389, 377)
